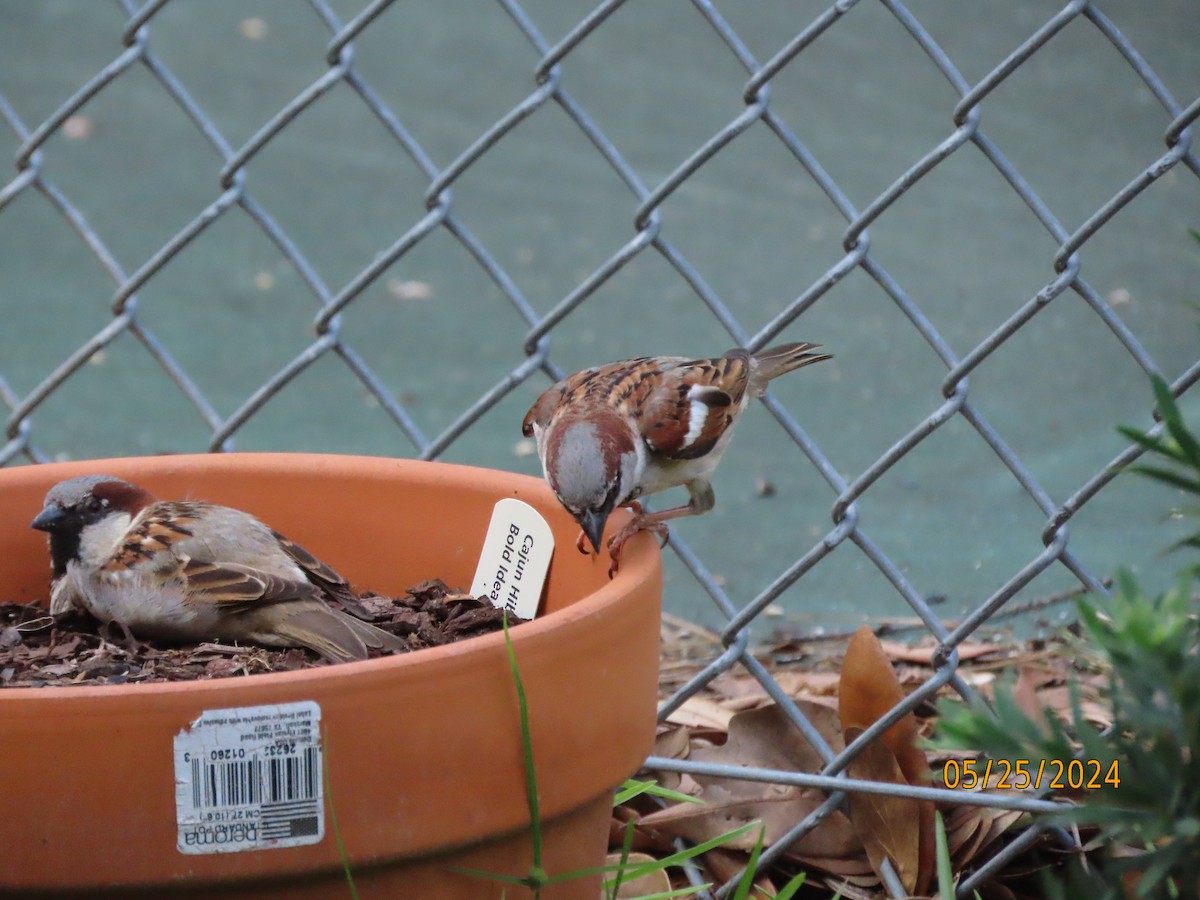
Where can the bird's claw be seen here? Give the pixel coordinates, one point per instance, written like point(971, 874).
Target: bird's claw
point(638, 523)
point(641, 521)
point(124, 637)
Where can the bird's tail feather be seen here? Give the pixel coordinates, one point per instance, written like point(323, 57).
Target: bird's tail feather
point(335, 635)
point(373, 636)
point(781, 359)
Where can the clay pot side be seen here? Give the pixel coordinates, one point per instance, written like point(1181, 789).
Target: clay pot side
point(423, 749)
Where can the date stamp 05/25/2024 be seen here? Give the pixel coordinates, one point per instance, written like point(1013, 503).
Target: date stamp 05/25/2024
point(1022, 774)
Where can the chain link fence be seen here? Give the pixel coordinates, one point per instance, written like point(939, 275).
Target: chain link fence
point(43, 170)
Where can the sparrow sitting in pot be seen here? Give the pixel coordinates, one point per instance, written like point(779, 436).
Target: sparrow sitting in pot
point(188, 571)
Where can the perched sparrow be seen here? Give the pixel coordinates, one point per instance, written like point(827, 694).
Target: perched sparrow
point(611, 434)
point(189, 571)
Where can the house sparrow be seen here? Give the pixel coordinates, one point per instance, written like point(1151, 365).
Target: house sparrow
point(189, 571)
point(611, 434)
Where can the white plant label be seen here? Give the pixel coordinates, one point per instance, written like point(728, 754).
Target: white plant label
point(515, 558)
point(250, 778)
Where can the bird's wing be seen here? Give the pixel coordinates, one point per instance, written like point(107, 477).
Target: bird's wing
point(692, 404)
point(162, 538)
point(153, 535)
point(237, 588)
point(323, 576)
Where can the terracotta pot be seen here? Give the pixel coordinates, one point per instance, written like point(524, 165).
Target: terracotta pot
point(423, 750)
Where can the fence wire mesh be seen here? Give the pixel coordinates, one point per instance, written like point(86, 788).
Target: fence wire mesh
point(44, 174)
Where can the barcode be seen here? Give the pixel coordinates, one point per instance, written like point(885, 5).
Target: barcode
point(254, 781)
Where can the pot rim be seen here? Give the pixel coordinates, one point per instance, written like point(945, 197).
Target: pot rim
point(637, 564)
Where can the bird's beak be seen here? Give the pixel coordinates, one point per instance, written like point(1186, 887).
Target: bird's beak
point(49, 519)
point(592, 524)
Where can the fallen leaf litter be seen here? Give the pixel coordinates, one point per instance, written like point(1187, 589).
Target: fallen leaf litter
point(841, 686)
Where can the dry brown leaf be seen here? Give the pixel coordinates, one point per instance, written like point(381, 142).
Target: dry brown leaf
point(923, 655)
point(852, 887)
point(643, 841)
point(999, 822)
point(969, 848)
point(971, 830)
point(745, 692)
point(766, 738)
point(856, 866)
point(963, 824)
point(1025, 696)
point(656, 882)
point(885, 822)
point(688, 785)
point(868, 690)
point(778, 808)
point(748, 701)
point(700, 712)
point(833, 846)
point(808, 684)
point(736, 686)
point(672, 742)
point(1058, 700)
point(725, 864)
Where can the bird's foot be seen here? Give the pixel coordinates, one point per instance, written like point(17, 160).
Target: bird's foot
point(125, 638)
point(581, 542)
point(640, 522)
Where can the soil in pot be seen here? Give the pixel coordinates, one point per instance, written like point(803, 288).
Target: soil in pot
point(37, 650)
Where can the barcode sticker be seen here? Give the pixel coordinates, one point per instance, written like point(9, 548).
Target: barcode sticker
point(250, 778)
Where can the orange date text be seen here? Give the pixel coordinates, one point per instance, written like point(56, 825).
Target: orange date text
point(1022, 774)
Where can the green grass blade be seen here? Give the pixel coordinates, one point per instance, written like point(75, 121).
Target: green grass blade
point(634, 788)
point(537, 875)
point(747, 882)
point(626, 847)
point(631, 789)
point(1169, 410)
point(1169, 476)
point(945, 871)
point(333, 819)
point(788, 891)
point(1152, 444)
point(690, 853)
point(690, 891)
point(487, 876)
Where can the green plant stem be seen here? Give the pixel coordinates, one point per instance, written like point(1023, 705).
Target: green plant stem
point(537, 875)
point(333, 819)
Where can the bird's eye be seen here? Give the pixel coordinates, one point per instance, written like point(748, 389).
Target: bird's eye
point(95, 505)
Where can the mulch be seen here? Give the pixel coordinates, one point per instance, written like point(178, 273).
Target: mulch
point(39, 650)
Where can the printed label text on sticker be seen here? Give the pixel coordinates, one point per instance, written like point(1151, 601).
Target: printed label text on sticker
point(250, 778)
